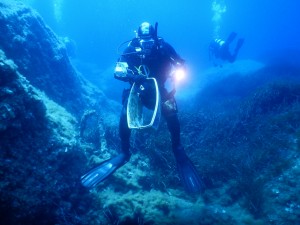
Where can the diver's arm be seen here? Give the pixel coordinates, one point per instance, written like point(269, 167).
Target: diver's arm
point(123, 70)
point(175, 58)
point(121, 78)
point(129, 76)
point(124, 73)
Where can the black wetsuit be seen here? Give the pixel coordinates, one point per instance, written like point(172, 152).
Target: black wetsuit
point(219, 49)
point(159, 59)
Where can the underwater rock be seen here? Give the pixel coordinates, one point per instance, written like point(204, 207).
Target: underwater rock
point(39, 55)
point(19, 104)
point(30, 141)
point(41, 98)
point(42, 58)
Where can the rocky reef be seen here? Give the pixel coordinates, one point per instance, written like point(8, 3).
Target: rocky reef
point(45, 109)
point(241, 128)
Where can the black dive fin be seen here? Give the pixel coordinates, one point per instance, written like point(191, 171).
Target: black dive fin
point(189, 176)
point(102, 171)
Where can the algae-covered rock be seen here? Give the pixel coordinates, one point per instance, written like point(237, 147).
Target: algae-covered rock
point(38, 52)
point(34, 142)
point(42, 98)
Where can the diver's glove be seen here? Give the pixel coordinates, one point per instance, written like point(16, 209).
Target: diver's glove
point(180, 65)
point(134, 78)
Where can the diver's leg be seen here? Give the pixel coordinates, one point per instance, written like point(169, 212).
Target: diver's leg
point(238, 46)
point(187, 171)
point(124, 132)
point(231, 57)
point(230, 38)
point(236, 50)
point(169, 112)
point(174, 129)
point(108, 167)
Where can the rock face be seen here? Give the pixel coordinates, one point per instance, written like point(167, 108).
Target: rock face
point(29, 145)
point(20, 104)
point(42, 100)
point(39, 55)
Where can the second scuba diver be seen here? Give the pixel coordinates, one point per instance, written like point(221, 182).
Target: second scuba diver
point(220, 49)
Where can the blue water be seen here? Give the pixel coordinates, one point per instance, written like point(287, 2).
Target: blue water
point(98, 27)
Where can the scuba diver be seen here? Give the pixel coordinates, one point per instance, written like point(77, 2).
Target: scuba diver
point(220, 49)
point(157, 59)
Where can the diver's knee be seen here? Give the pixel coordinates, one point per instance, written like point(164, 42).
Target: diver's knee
point(169, 107)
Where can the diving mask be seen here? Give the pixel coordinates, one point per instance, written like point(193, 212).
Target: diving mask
point(147, 45)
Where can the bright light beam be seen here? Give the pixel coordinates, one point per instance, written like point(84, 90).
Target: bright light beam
point(179, 74)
